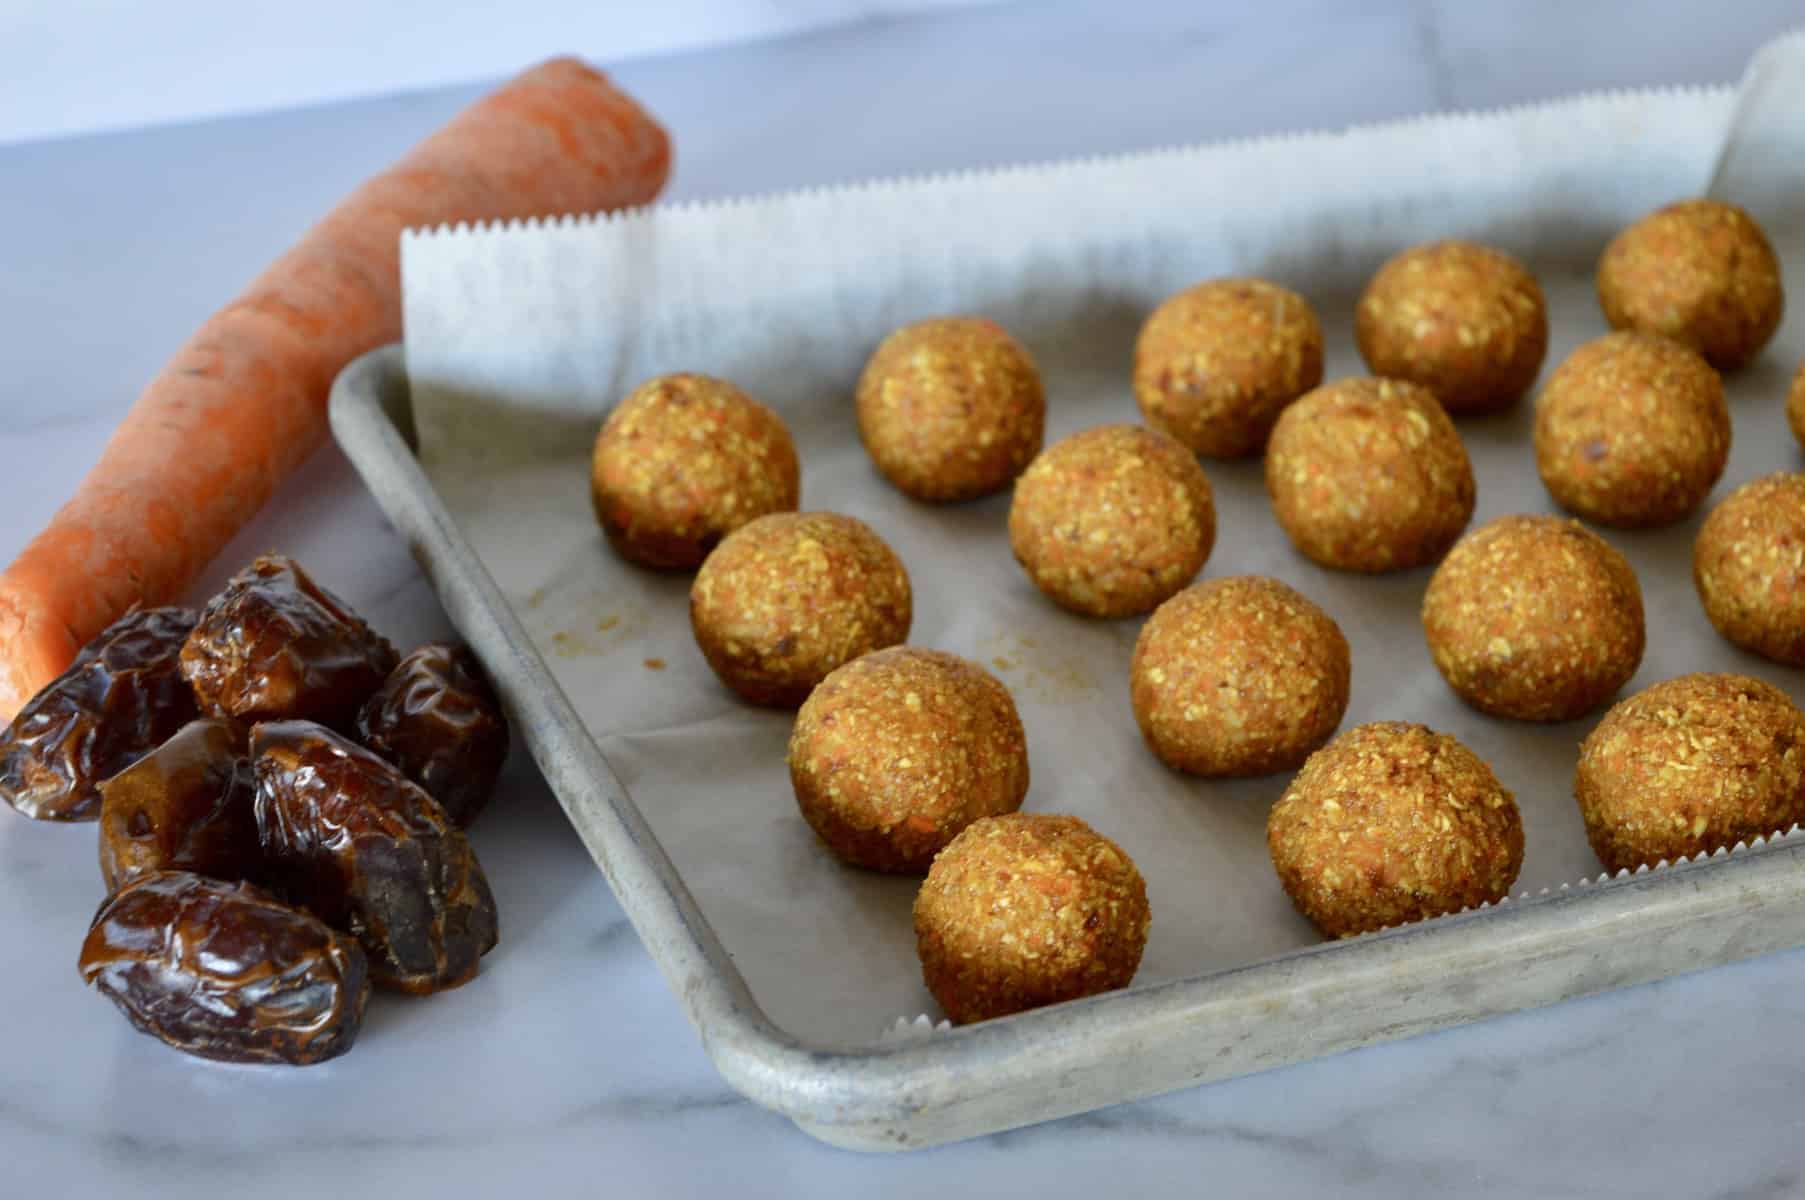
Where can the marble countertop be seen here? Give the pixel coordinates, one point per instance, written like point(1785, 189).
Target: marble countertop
point(568, 1065)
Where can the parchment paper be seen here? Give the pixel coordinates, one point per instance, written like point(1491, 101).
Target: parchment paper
point(519, 339)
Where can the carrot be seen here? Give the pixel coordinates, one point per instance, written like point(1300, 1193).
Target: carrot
point(244, 401)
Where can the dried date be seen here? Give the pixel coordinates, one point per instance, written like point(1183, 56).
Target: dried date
point(369, 852)
point(186, 805)
point(276, 645)
point(437, 718)
point(226, 971)
point(123, 694)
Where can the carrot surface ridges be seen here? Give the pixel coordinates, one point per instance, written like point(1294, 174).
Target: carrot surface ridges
point(244, 401)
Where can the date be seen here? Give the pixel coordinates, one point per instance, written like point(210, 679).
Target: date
point(123, 694)
point(276, 645)
point(226, 971)
point(186, 805)
point(437, 718)
point(368, 851)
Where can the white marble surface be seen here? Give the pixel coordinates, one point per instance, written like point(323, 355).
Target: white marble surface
point(186, 60)
point(568, 1067)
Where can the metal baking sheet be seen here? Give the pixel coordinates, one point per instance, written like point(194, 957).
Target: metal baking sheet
point(1215, 1013)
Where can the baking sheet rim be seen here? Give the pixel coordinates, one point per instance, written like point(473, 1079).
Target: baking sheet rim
point(872, 1097)
point(895, 1092)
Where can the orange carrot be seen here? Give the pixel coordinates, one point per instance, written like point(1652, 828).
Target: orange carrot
point(244, 402)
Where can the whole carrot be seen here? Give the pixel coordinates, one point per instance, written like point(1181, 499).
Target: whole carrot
point(244, 401)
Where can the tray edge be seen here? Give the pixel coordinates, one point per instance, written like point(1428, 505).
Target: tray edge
point(1071, 1058)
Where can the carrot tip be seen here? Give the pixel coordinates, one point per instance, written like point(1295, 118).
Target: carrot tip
point(32, 653)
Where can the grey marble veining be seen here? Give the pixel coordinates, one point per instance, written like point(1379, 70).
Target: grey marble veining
point(568, 1067)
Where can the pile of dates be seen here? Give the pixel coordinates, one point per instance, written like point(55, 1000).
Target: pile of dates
point(282, 802)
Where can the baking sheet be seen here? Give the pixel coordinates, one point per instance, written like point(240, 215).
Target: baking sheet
point(520, 338)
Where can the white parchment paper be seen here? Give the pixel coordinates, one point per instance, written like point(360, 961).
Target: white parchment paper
point(519, 339)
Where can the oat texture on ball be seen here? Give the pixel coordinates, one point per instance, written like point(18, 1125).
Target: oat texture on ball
point(1700, 272)
point(1632, 431)
point(1464, 320)
point(1392, 823)
point(684, 461)
point(1369, 475)
point(1025, 910)
point(790, 596)
point(1238, 676)
point(895, 753)
point(1216, 364)
point(1112, 521)
point(1748, 564)
point(951, 408)
point(1689, 766)
point(1534, 617)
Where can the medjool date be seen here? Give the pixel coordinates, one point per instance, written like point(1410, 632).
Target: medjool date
point(123, 694)
point(369, 852)
point(437, 719)
point(186, 804)
point(276, 645)
point(226, 971)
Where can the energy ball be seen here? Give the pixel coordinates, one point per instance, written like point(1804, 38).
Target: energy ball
point(1749, 567)
point(895, 753)
point(1216, 364)
point(1535, 618)
point(790, 596)
point(684, 461)
point(1466, 321)
point(1700, 272)
point(1795, 405)
point(1112, 521)
point(1392, 823)
point(1238, 676)
point(1025, 910)
point(951, 409)
point(1632, 431)
point(1369, 475)
point(1689, 766)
